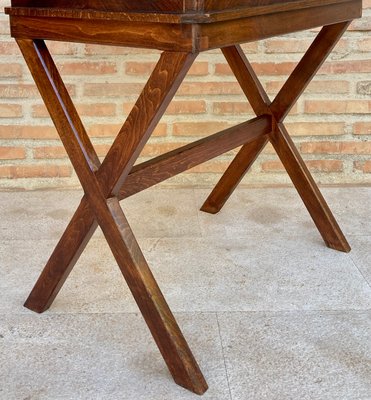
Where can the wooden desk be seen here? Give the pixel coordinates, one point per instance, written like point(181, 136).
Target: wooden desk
point(181, 29)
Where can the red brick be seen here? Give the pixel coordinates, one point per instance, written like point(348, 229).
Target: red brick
point(364, 45)
point(90, 110)
point(35, 171)
point(62, 48)
point(9, 48)
point(338, 106)
point(4, 27)
point(156, 149)
point(364, 166)
point(10, 70)
point(314, 87)
point(145, 68)
point(336, 147)
point(111, 130)
point(362, 128)
point(88, 68)
point(27, 132)
point(49, 152)
point(12, 153)
point(232, 108)
point(211, 167)
point(198, 128)
point(10, 111)
point(313, 165)
point(209, 88)
point(24, 91)
point(177, 107)
point(112, 89)
point(263, 68)
point(346, 67)
point(315, 128)
point(93, 49)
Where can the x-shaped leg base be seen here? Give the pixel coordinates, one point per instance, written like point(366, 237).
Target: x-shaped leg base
point(279, 137)
point(100, 204)
point(115, 178)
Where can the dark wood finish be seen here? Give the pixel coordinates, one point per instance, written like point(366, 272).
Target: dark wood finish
point(308, 190)
point(164, 81)
point(229, 181)
point(286, 150)
point(170, 6)
point(307, 69)
point(182, 159)
point(177, 31)
point(230, 32)
point(181, 28)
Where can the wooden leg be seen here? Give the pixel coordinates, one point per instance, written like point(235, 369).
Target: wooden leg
point(83, 225)
point(278, 109)
point(260, 103)
point(63, 259)
point(104, 205)
point(233, 176)
point(308, 190)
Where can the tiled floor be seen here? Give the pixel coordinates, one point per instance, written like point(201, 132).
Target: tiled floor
point(268, 310)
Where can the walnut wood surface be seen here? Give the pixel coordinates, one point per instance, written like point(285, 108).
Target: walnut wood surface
point(181, 28)
point(286, 150)
point(164, 81)
point(169, 6)
point(179, 32)
point(157, 12)
point(163, 167)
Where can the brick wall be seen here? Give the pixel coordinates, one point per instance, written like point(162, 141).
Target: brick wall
point(331, 123)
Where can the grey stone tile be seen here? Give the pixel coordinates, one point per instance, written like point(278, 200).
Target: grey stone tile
point(257, 275)
point(251, 212)
point(361, 255)
point(36, 215)
point(352, 208)
point(100, 356)
point(280, 210)
point(95, 284)
point(45, 214)
point(196, 275)
point(322, 356)
point(158, 213)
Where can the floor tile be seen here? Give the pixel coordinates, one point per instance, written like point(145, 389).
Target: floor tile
point(280, 210)
point(100, 356)
point(36, 215)
point(361, 255)
point(45, 214)
point(257, 275)
point(158, 213)
point(322, 356)
point(196, 275)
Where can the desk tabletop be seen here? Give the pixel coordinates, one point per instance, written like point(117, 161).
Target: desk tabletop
point(166, 11)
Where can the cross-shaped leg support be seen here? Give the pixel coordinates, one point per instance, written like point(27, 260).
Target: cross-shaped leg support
point(116, 178)
point(100, 204)
point(280, 139)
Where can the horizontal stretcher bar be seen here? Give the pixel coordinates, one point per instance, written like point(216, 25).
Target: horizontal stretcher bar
point(165, 166)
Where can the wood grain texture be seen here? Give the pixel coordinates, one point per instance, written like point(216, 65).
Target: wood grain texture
point(234, 31)
point(245, 158)
point(182, 28)
point(285, 148)
point(308, 190)
point(108, 212)
point(176, 31)
point(167, 37)
point(307, 68)
point(158, 169)
point(235, 172)
point(193, 7)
